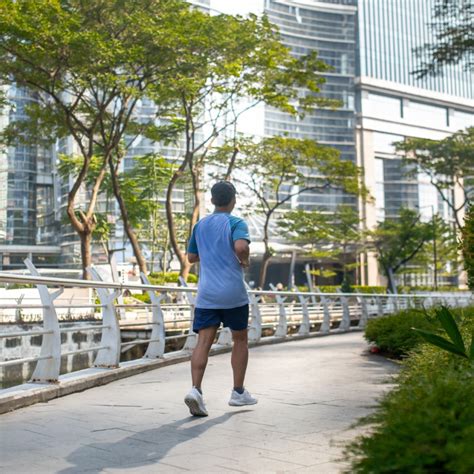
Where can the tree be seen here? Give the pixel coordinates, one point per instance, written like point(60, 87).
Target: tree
point(88, 64)
point(278, 169)
point(452, 28)
point(468, 246)
point(231, 64)
point(447, 163)
point(440, 253)
point(142, 188)
point(398, 241)
point(334, 236)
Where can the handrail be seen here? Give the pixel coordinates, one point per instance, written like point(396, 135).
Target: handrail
point(287, 312)
point(6, 277)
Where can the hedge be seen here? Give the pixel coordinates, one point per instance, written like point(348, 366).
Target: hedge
point(394, 336)
point(426, 424)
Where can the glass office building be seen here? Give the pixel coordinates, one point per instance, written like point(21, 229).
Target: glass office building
point(393, 104)
point(27, 209)
point(330, 29)
point(389, 32)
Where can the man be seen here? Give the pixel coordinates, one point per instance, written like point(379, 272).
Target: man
point(220, 243)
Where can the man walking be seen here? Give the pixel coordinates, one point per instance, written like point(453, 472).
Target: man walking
point(220, 242)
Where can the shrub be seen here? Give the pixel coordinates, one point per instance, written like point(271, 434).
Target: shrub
point(169, 277)
point(145, 298)
point(355, 289)
point(394, 334)
point(426, 424)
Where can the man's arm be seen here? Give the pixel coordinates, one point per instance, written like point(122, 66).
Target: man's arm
point(242, 250)
point(193, 253)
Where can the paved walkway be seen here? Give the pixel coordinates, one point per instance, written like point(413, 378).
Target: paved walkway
point(310, 392)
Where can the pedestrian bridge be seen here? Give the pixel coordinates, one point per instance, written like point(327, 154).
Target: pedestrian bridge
point(133, 418)
point(310, 392)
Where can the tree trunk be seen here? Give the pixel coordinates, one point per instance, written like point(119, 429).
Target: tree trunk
point(86, 254)
point(391, 280)
point(263, 268)
point(126, 222)
point(183, 261)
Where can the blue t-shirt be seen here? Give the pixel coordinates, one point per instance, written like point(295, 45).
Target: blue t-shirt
point(221, 278)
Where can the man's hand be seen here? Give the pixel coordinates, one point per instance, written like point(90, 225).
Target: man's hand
point(242, 251)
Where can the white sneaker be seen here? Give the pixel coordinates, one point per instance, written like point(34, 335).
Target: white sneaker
point(195, 403)
point(240, 399)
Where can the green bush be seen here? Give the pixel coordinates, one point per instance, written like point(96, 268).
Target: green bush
point(355, 289)
point(415, 289)
point(169, 277)
point(423, 426)
point(394, 335)
point(145, 298)
point(427, 423)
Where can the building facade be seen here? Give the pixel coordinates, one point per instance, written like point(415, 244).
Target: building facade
point(368, 43)
point(393, 104)
point(28, 185)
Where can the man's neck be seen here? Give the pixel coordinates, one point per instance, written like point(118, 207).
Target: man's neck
point(222, 209)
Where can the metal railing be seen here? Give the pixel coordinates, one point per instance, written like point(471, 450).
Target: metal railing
point(276, 314)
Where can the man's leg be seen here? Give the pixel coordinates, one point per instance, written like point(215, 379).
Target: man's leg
point(200, 355)
point(240, 356)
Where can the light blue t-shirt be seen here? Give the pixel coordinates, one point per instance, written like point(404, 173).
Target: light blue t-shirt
point(221, 279)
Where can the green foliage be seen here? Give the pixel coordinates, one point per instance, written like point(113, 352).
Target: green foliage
point(444, 244)
point(447, 163)
point(468, 246)
point(426, 424)
point(398, 241)
point(336, 237)
point(418, 288)
point(143, 297)
point(394, 334)
point(356, 289)
point(451, 27)
point(169, 277)
point(456, 345)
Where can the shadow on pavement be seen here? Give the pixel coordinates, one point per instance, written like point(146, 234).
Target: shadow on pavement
point(141, 448)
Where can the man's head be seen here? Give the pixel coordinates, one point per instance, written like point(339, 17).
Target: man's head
point(223, 195)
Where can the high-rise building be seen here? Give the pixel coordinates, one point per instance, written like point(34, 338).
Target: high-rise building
point(370, 45)
point(392, 103)
point(28, 218)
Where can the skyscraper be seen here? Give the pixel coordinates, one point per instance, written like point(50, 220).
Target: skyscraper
point(28, 219)
point(393, 104)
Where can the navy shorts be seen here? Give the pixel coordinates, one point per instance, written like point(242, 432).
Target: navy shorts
point(236, 319)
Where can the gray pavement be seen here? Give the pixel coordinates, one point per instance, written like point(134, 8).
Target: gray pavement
point(310, 392)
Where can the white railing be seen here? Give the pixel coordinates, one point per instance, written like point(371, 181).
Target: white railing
point(274, 314)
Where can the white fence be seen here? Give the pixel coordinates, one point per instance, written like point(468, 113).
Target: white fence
point(276, 314)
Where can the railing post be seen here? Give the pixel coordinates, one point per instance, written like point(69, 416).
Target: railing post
point(109, 357)
point(326, 324)
point(47, 370)
point(304, 326)
point(282, 328)
point(191, 340)
point(255, 326)
point(380, 309)
point(345, 323)
point(156, 347)
point(364, 312)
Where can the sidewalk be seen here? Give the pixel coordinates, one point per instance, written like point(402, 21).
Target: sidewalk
point(310, 392)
